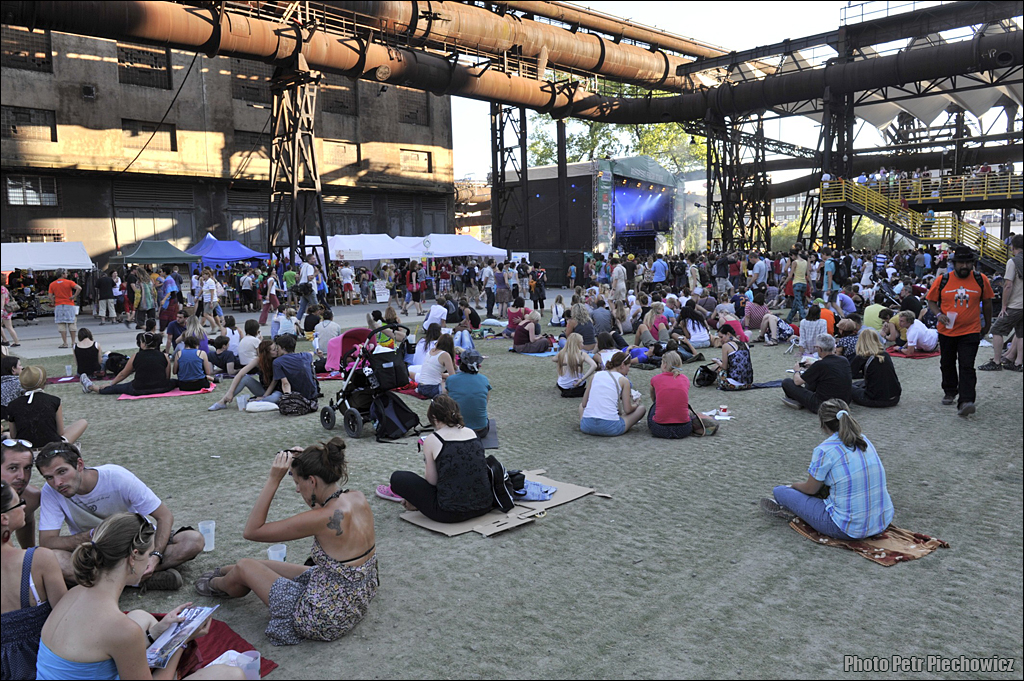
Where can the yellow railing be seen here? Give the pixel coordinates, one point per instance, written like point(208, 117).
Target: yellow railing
point(950, 188)
point(940, 229)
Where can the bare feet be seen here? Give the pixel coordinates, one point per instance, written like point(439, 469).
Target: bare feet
point(407, 506)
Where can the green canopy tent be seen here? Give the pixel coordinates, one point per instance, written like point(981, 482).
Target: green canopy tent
point(153, 252)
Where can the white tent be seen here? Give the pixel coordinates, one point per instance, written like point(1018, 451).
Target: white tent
point(450, 246)
point(359, 247)
point(70, 255)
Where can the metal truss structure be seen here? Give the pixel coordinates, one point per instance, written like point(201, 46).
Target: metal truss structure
point(509, 152)
point(738, 206)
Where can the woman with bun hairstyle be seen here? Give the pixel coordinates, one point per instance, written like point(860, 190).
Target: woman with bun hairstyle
point(858, 503)
point(609, 407)
point(32, 586)
point(325, 601)
point(88, 636)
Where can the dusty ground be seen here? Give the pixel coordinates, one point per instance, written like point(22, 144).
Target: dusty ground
point(677, 575)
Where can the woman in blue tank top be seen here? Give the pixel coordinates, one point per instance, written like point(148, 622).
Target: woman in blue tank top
point(88, 636)
point(192, 366)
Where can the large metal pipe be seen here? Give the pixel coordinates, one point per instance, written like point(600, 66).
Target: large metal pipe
point(472, 194)
point(595, 21)
point(477, 28)
point(195, 28)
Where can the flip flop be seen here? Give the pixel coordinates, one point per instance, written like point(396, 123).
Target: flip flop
point(203, 587)
point(384, 492)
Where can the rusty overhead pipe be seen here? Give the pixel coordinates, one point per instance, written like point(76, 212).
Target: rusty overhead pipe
point(199, 29)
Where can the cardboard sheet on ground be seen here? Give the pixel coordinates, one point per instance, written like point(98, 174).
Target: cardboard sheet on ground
point(491, 441)
point(496, 521)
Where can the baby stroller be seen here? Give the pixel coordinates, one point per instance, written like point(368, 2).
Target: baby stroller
point(375, 370)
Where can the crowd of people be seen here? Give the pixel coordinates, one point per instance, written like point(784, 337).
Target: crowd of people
point(101, 529)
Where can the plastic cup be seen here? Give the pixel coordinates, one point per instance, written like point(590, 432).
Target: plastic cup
point(277, 552)
point(723, 410)
point(952, 319)
point(68, 370)
point(208, 528)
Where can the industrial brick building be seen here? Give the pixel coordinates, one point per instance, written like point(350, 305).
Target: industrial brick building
point(77, 111)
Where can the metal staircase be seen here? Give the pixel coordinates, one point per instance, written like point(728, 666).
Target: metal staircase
point(915, 226)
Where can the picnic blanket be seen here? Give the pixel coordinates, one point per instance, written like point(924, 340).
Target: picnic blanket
point(331, 376)
point(549, 353)
point(893, 352)
point(410, 390)
point(221, 639)
point(894, 545)
point(62, 379)
point(172, 393)
point(767, 384)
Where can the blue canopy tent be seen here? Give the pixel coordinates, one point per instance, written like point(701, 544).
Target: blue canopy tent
point(215, 252)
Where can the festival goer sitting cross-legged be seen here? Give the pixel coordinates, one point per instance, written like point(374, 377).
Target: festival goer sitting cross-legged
point(32, 586)
point(88, 635)
point(150, 366)
point(825, 379)
point(654, 328)
point(812, 328)
point(192, 366)
point(456, 485)
point(84, 497)
point(222, 360)
point(16, 459)
point(847, 334)
point(669, 416)
point(574, 367)
point(858, 504)
point(438, 364)
point(517, 312)
point(735, 369)
point(10, 382)
point(469, 321)
point(37, 416)
point(88, 355)
point(470, 389)
point(527, 338)
point(581, 323)
point(319, 603)
point(609, 405)
point(880, 386)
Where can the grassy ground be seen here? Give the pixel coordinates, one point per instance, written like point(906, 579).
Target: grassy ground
point(676, 575)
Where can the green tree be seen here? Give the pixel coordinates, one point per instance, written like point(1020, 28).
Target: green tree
point(584, 140)
point(669, 145)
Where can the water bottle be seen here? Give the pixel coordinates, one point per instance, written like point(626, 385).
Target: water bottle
point(316, 341)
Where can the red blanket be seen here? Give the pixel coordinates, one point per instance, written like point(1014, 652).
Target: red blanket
point(220, 640)
point(917, 355)
point(410, 390)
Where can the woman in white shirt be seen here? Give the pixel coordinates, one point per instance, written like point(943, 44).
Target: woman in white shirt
point(209, 300)
point(610, 406)
point(270, 302)
point(436, 365)
point(574, 367)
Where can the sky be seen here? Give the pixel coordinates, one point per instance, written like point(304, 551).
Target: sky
point(731, 25)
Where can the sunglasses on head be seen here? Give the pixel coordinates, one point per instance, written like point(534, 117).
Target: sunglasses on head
point(8, 442)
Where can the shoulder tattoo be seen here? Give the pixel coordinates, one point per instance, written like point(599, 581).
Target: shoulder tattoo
point(335, 523)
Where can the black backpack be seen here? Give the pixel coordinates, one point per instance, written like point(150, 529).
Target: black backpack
point(393, 418)
point(501, 484)
point(703, 276)
point(842, 273)
point(116, 362)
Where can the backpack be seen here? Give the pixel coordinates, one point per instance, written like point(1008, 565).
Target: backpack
point(392, 418)
point(296, 404)
point(679, 269)
point(116, 362)
point(501, 484)
point(703, 276)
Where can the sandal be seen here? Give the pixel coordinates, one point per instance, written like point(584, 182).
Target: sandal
point(203, 587)
point(990, 366)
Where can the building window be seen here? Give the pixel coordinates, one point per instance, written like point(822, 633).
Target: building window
point(31, 190)
point(24, 49)
point(339, 95)
point(413, 106)
point(137, 133)
point(337, 153)
point(250, 81)
point(256, 142)
point(415, 161)
point(144, 65)
point(18, 123)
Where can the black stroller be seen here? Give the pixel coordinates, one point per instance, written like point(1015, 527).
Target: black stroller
point(375, 370)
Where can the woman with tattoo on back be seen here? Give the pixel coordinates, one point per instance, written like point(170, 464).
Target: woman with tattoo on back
point(325, 601)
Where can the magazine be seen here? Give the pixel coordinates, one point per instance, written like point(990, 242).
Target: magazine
point(159, 654)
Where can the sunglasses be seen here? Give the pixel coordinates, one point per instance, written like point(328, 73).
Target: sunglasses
point(16, 506)
point(8, 442)
point(144, 524)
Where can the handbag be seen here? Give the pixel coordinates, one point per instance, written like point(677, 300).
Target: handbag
point(705, 375)
point(707, 427)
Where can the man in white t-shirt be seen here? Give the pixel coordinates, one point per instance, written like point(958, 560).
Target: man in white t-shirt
point(83, 497)
point(305, 284)
point(437, 314)
point(487, 279)
point(348, 277)
point(920, 339)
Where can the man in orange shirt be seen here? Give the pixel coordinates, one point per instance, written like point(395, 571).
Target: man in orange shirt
point(63, 293)
point(957, 298)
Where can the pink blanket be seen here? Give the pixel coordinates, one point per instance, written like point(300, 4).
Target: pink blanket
point(173, 393)
point(893, 352)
